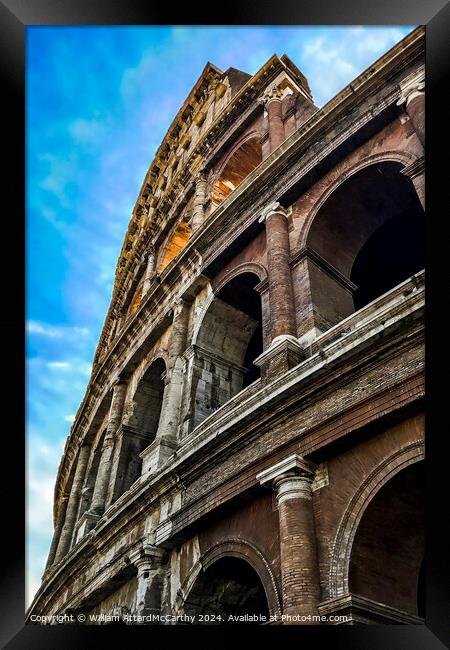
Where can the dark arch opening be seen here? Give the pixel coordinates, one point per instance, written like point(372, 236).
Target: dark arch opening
point(370, 232)
point(388, 548)
point(147, 400)
point(240, 293)
point(229, 587)
point(228, 342)
point(394, 253)
point(144, 419)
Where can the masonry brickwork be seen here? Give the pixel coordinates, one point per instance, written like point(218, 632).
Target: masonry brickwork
point(251, 440)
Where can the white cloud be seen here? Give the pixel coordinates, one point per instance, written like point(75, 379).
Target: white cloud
point(42, 464)
point(69, 418)
point(53, 331)
point(62, 171)
point(58, 364)
point(333, 59)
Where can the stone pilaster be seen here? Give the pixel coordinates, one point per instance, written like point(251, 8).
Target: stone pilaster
point(416, 172)
point(170, 418)
point(324, 296)
point(413, 101)
point(292, 480)
point(272, 102)
point(149, 562)
point(149, 270)
point(65, 539)
point(104, 470)
point(166, 440)
point(199, 202)
point(285, 351)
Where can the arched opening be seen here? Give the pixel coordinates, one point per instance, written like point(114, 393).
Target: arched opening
point(228, 588)
point(229, 340)
point(141, 425)
point(369, 236)
point(239, 165)
point(388, 549)
point(391, 255)
point(147, 400)
point(177, 241)
point(136, 300)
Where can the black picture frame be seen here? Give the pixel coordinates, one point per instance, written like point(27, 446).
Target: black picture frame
point(15, 16)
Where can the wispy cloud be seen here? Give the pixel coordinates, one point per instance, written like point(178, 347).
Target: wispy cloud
point(52, 331)
point(58, 365)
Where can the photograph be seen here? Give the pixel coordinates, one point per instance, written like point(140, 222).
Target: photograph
point(225, 235)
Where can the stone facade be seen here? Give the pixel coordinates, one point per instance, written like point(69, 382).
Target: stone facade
point(251, 441)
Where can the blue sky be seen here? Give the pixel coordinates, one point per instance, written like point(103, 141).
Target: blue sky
point(99, 101)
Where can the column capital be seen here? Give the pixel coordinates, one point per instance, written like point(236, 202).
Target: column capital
point(121, 380)
point(178, 307)
point(201, 177)
point(412, 86)
point(274, 208)
point(273, 94)
point(416, 168)
point(147, 557)
point(83, 444)
point(291, 478)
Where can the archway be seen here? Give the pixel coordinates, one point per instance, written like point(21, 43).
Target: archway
point(228, 341)
point(388, 548)
point(230, 587)
point(147, 400)
point(237, 167)
point(140, 424)
point(366, 238)
point(137, 299)
point(175, 244)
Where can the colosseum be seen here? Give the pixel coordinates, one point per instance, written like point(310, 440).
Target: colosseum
point(250, 447)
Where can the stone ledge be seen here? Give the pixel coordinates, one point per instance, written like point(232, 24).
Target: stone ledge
point(360, 609)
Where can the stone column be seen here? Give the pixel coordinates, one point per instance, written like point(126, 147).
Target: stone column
point(56, 534)
point(166, 440)
point(177, 346)
point(199, 201)
point(413, 101)
point(272, 102)
point(291, 479)
point(149, 271)
point(65, 539)
point(149, 560)
point(104, 469)
point(281, 294)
